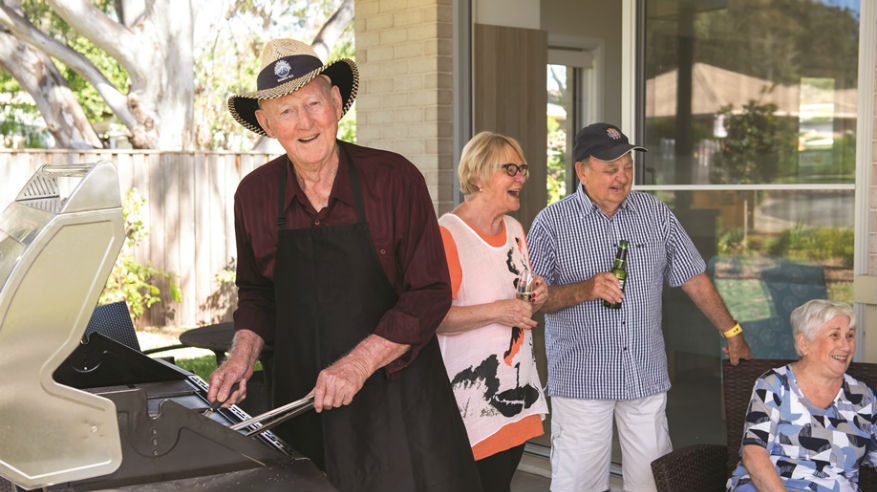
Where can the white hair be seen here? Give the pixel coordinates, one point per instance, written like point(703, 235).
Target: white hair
point(808, 317)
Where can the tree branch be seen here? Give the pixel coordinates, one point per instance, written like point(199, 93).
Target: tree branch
point(117, 41)
point(22, 29)
point(332, 29)
point(39, 76)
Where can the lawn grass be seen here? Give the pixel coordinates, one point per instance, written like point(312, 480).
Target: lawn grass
point(199, 361)
point(202, 366)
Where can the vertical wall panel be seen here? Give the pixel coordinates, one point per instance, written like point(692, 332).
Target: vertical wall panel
point(510, 97)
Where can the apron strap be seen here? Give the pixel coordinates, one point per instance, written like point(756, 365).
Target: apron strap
point(354, 185)
point(281, 197)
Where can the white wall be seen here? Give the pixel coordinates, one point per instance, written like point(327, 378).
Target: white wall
point(511, 13)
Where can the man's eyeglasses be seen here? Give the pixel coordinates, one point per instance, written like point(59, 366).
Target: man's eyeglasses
point(513, 169)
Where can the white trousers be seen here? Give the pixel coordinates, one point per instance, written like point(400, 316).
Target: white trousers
point(581, 442)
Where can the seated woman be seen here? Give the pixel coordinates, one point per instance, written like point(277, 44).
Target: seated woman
point(809, 425)
point(485, 339)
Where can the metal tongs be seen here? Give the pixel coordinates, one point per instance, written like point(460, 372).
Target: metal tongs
point(276, 416)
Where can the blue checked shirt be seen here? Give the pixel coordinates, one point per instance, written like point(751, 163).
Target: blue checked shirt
point(600, 353)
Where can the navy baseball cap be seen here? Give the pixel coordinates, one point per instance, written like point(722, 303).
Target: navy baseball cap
point(603, 141)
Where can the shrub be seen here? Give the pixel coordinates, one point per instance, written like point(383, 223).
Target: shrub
point(730, 241)
point(815, 243)
point(130, 280)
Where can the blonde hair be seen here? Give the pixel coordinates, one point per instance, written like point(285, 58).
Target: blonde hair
point(808, 317)
point(480, 155)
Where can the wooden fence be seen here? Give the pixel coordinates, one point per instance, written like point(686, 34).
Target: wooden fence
point(188, 212)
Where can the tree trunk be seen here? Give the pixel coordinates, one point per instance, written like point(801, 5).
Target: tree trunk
point(173, 93)
point(332, 29)
point(157, 53)
point(38, 75)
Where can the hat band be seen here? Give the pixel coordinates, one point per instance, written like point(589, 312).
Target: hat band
point(285, 69)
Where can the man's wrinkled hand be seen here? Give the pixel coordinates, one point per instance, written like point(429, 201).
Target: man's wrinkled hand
point(737, 349)
point(222, 380)
point(338, 384)
point(603, 286)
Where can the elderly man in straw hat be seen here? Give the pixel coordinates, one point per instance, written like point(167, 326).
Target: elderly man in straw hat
point(340, 267)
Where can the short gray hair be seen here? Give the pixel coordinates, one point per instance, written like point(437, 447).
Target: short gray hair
point(808, 317)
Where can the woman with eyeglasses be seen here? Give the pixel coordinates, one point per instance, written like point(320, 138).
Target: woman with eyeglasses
point(485, 339)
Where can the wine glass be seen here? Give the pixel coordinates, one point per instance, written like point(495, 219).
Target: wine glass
point(524, 287)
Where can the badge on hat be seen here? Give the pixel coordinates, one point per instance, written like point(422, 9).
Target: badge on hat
point(282, 70)
point(613, 133)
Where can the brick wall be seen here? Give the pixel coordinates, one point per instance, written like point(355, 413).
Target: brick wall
point(404, 52)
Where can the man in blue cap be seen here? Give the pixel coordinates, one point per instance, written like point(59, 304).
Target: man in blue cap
point(605, 363)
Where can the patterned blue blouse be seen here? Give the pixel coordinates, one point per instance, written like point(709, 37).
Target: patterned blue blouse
point(812, 448)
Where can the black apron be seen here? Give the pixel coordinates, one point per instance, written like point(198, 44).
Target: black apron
point(330, 293)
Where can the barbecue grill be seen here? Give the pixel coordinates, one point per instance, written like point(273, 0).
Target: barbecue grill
point(88, 412)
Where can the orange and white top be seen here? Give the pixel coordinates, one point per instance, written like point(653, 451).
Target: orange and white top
point(491, 368)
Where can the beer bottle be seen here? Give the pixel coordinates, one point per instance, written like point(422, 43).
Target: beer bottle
point(619, 269)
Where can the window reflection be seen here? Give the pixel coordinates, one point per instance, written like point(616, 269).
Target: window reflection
point(768, 251)
point(749, 114)
point(559, 119)
point(745, 91)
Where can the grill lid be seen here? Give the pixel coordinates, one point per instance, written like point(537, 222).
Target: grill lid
point(58, 242)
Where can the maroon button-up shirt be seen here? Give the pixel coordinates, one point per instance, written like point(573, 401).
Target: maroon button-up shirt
point(403, 228)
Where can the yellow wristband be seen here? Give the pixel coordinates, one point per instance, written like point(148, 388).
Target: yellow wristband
point(736, 330)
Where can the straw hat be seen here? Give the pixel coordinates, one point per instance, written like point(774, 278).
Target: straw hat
point(288, 65)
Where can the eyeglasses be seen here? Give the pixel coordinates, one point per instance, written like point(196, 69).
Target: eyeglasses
point(513, 169)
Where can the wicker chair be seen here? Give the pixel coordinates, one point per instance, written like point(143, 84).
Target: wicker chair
point(706, 467)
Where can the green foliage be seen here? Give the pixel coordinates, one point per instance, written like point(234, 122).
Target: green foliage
point(227, 63)
point(347, 125)
point(841, 291)
point(19, 116)
point(822, 244)
point(41, 15)
point(757, 143)
point(228, 273)
point(92, 103)
point(815, 243)
point(730, 242)
point(130, 280)
point(18, 120)
point(776, 40)
point(556, 173)
point(784, 43)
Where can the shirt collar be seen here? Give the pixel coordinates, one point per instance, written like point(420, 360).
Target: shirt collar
point(589, 207)
point(341, 190)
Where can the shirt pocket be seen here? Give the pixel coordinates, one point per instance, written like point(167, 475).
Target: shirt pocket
point(647, 259)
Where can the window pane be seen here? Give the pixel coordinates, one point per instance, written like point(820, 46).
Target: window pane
point(559, 112)
point(750, 120)
point(768, 252)
point(750, 91)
